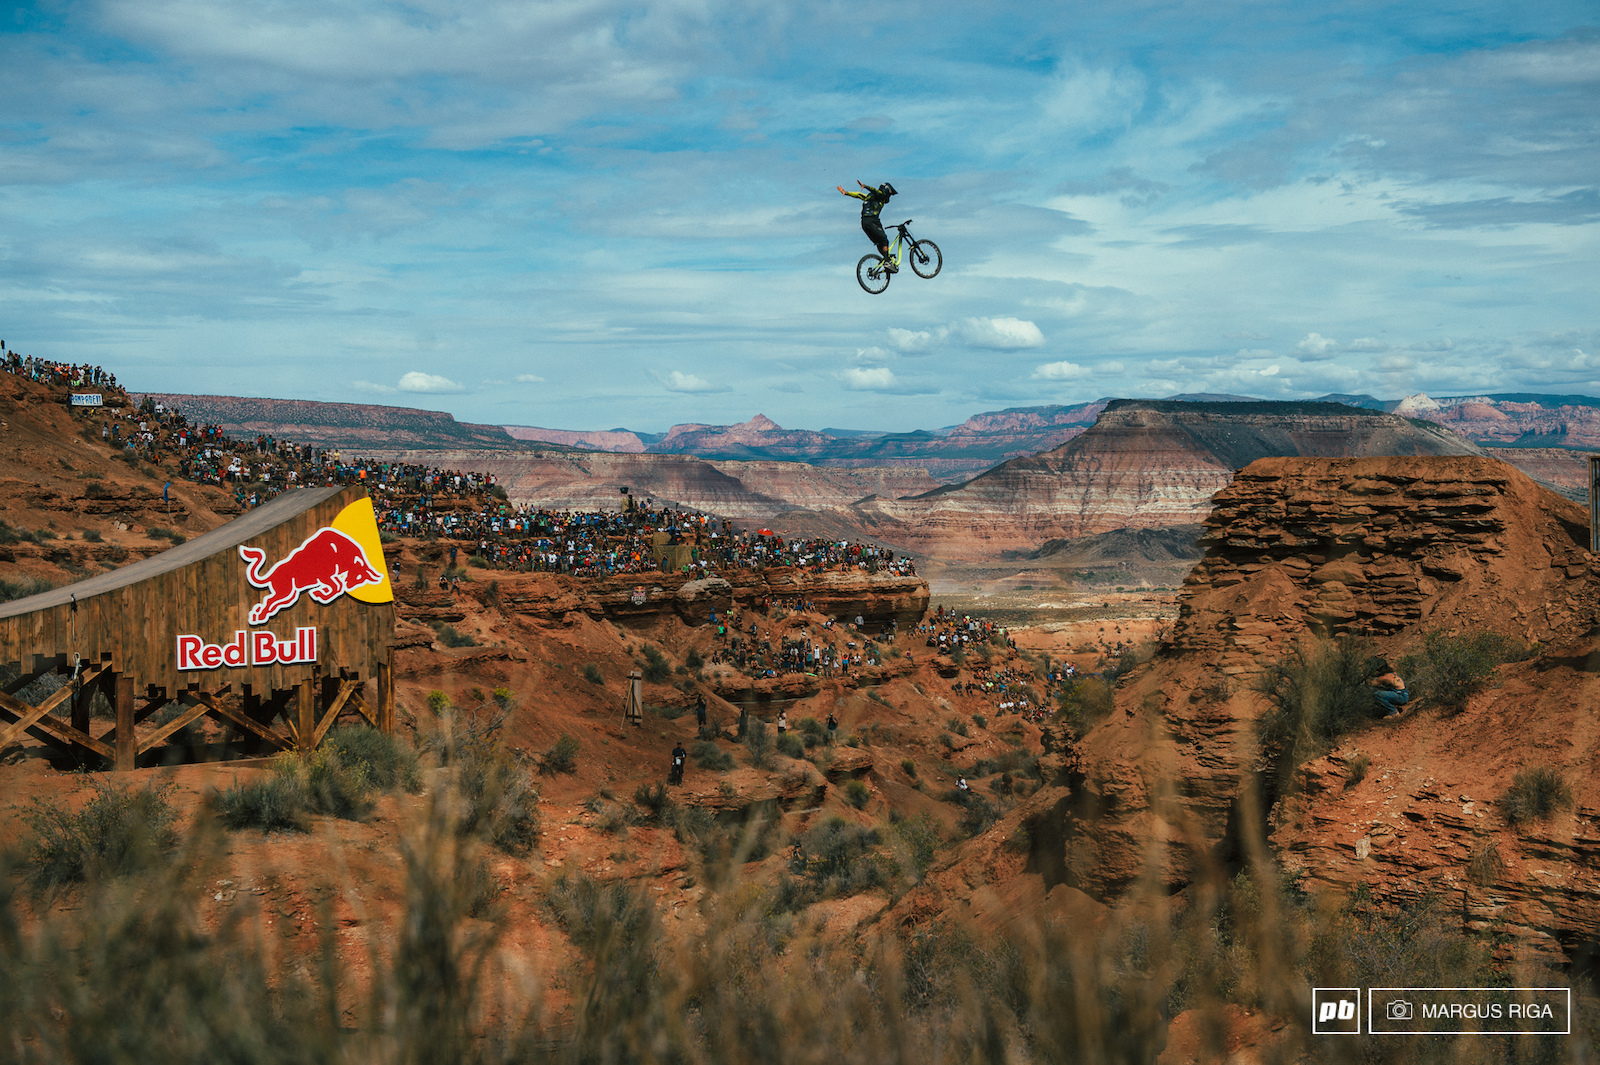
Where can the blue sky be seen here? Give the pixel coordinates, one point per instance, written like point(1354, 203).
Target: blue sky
point(586, 214)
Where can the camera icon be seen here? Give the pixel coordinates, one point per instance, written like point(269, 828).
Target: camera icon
point(1398, 1010)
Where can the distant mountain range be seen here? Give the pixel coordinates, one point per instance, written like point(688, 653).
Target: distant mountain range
point(951, 454)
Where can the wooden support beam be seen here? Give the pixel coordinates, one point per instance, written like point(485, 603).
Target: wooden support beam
point(36, 719)
point(244, 721)
point(305, 716)
point(159, 736)
point(366, 711)
point(385, 717)
point(29, 716)
point(127, 741)
point(346, 689)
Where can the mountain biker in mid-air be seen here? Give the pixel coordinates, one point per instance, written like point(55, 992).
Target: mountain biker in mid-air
point(872, 201)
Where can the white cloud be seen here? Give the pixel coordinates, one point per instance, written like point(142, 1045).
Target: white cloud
point(906, 340)
point(1316, 347)
point(530, 379)
point(371, 386)
point(1058, 371)
point(1253, 353)
point(1000, 334)
point(870, 379)
point(428, 383)
point(1366, 344)
point(688, 382)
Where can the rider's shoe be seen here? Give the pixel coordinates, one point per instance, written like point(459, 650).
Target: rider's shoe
point(889, 265)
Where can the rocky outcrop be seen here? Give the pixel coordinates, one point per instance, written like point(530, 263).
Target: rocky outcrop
point(1142, 465)
point(333, 425)
point(598, 440)
point(1300, 547)
point(879, 598)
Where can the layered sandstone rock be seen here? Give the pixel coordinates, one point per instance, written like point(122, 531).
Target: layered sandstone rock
point(1301, 547)
point(1142, 465)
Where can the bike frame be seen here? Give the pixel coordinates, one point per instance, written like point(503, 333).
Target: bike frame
point(902, 237)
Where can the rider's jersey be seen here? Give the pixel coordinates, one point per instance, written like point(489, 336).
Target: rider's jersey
point(872, 201)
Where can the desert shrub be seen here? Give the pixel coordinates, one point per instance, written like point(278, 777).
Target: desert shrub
point(591, 673)
point(654, 801)
point(437, 701)
point(977, 814)
point(22, 587)
point(707, 755)
point(1358, 770)
point(390, 762)
point(693, 659)
point(834, 858)
point(758, 740)
point(656, 667)
point(590, 912)
point(1085, 702)
point(92, 536)
point(1486, 866)
point(921, 839)
point(1315, 693)
point(980, 721)
point(671, 713)
point(792, 745)
point(562, 757)
point(159, 532)
point(1015, 760)
point(451, 637)
point(503, 698)
point(909, 766)
point(496, 797)
point(1449, 670)
point(333, 786)
point(947, 740)
point(857, 794)
point(477, 562)
point(491, 595)
point(271, 803)
point(810, 726)
point(1535, 793)
point(120, 830)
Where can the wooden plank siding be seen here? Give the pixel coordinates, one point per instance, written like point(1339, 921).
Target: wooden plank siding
point(128, 621)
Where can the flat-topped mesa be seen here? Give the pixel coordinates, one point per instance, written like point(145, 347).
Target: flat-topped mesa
point(1303, 547)
point(1143, 464)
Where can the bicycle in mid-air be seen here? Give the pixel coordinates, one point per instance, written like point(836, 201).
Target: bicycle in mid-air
point(873, 270)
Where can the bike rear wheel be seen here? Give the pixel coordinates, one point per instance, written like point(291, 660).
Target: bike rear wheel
point(926, 259)
point(871, 275)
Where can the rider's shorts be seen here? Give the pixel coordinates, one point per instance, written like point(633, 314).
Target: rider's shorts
point(874, 231)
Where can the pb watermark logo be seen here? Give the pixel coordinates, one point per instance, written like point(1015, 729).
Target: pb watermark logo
point(1336, 1011)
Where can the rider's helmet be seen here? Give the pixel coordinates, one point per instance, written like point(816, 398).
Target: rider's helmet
point(887, 189)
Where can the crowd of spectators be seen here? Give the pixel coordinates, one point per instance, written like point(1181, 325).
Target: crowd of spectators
point(431, 502)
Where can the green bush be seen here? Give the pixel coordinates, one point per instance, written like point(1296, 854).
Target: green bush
point(561, 758)
point(1486, 866)
point(857, 794)
point(120, 830)
point(270, 803)
point(656, 667)
point(332, 787)
point(654, 801)
point(437, 701)
point(1084, 702)
point(497, 797)
point(1316, 693)
point(791, 745)
point(594, 913)
point(591, 673)
point(758, 740)
point(450, 637)
point(909, 766)
point(390, 762)
point(1449, 670)
point(835, 858)
point(707, 755)
point(1535, 793)
point(693, 659)
point(23, 587)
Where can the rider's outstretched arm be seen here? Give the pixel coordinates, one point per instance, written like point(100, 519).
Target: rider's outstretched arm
point(852, 195)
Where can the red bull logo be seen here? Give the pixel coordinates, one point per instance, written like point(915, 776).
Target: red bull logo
point(248, 649)
point(327, 565)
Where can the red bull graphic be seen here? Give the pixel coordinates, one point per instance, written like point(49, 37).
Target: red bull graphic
point(327, 565)
point(248, 649)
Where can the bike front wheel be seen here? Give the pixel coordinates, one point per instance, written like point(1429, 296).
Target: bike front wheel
point(871, 274)
point(926, 258)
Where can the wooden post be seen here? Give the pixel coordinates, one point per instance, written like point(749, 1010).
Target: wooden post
point(635, 707)
point(1594, 503)
point(127, 742)
point(80, 702)
point(305, 731)
point(386, 695)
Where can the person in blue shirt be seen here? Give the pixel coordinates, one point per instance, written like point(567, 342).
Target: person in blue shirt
point(872, 201)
